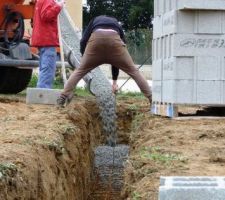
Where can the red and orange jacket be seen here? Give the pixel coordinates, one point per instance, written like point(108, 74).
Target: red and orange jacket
point(45, 29)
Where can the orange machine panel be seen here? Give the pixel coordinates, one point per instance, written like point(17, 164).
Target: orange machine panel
point(16, 5)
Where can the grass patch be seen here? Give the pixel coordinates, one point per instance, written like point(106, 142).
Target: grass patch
point(137, 121)
point(125, 95)
point(58, 84)
point(157, 155)
point(83, 92)
point(136, 196)
point(7, 169)
point(33, 81)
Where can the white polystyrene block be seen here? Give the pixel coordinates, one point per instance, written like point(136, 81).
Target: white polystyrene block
point(223, 93)
point(193, 92)
point(157, 91)
point(157, 69)
point(192, 68)
point(222, 68)
point(178, 68)
point(188, 22)
point(157, 27)
point(208, 68)
point(200, 4)
point(189, 45)
point(209, 92)
point(192, 188)
point(163, 6)
point(178, 91)
point(198, 45)
point(158, 48)
point(209, 22)
point(155, 8)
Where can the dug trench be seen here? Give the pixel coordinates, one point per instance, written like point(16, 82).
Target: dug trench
point(50, 153)
point(47, 153)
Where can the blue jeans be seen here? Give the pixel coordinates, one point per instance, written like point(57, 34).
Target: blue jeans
point(47, 67)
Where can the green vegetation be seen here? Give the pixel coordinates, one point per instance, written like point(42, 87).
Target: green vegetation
point(57, 146)
point(137, 122)
point(83, 92)
point(58, 84)
point(7, 169)
point(132, 13)
point(156, 154)
point(126, 95)
point(136, 196)
point(139, 44)
point(33, 81)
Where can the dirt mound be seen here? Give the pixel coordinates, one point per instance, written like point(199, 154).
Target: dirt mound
point(165, 147)
point(44, 152)
point(47, 153)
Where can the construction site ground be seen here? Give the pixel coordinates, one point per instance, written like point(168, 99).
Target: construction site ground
point(47, 153)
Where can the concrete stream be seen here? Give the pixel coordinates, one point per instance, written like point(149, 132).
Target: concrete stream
point(108, 159)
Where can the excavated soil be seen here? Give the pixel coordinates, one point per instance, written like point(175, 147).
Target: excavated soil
point(47, 153)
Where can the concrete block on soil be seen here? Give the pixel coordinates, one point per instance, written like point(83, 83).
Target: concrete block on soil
point(42, 96)
point(192, 188)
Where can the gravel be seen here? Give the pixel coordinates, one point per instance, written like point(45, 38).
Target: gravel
point(109, 160)
point(99, 84)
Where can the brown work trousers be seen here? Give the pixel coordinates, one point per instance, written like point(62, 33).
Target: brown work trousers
point(106, 48)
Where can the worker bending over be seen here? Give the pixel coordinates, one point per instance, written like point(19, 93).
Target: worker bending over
point(103, 43)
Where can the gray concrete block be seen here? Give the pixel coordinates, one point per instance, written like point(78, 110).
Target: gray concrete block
point(192, 92)
point(192, 188)
point(42, 96)
point(163, 6)
point(157, 69)
point(188, 52)
point(197, 45)
point(204, 68)
point(157, 91)
point(189, 45)
point(198, 22)
point(209, 92)
point(178, 91)
point(179, 68)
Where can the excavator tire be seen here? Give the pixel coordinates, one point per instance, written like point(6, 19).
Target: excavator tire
point(14, 80)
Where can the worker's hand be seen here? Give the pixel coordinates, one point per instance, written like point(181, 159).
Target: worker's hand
point(115, 87)
point(32, 2)
point(60, 2)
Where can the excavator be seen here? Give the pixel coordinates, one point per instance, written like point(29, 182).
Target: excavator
point(16, 58)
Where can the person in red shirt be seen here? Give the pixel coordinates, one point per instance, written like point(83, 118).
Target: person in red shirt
point(45, 38)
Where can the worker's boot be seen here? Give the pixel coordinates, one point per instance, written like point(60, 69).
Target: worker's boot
point(64, 100)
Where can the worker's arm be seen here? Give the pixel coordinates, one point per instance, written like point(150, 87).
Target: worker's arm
point(115, 74)
point(50, 10)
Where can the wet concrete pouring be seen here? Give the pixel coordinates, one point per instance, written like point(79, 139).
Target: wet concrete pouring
point(110, 158)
